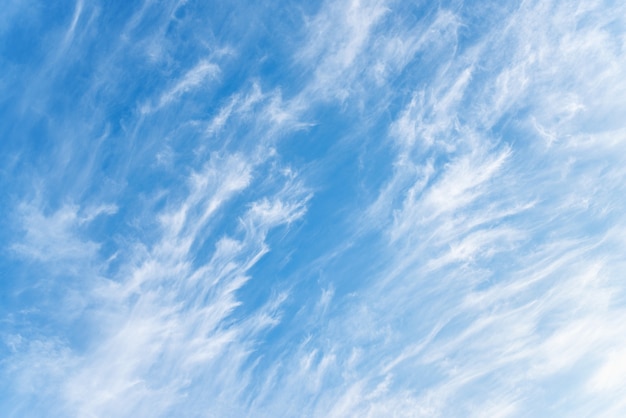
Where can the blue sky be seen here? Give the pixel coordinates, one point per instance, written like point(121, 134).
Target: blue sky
point(321, 209)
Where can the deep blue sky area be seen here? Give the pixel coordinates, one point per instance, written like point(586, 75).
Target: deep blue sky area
point(360, 208)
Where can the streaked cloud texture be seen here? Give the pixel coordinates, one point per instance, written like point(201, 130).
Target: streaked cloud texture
point(318, 209)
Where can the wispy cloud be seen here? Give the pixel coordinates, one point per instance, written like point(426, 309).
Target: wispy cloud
point(165, 308)
point(465, 197)
point(56, 236)
point(193, 78)
point(461, 254)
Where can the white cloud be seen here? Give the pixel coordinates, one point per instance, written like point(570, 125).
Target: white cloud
point(56, 236)
point(168, 321)
point(337, 36)
point(609, 377)
point(192, 79)
point(529, 300)
point(486, 268)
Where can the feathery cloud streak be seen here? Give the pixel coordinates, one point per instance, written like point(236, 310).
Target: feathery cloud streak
point(388, 209)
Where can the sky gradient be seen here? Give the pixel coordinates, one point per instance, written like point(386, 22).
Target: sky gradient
point(360, 208)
